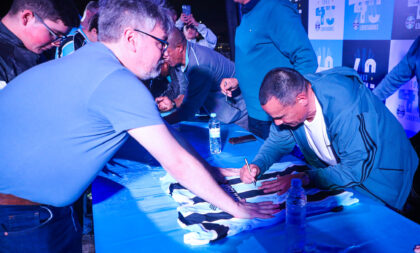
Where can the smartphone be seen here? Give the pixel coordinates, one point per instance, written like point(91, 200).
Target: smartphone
point(242, 139)
point(186, 9)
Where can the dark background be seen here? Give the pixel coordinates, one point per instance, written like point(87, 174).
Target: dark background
point(210, 12)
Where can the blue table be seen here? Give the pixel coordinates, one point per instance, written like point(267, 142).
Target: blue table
point(133, 214)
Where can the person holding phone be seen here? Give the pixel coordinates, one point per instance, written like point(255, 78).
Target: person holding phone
point(192, 29)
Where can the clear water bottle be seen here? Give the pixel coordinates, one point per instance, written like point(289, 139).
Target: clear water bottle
point(214, 134)
point(296, 217)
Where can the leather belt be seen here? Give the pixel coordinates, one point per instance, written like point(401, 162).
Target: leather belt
point(9, 199)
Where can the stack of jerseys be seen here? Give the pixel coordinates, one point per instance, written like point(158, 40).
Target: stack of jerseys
point(207, 223)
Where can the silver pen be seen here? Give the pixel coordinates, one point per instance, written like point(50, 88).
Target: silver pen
point(226, 92)
point(249, 170)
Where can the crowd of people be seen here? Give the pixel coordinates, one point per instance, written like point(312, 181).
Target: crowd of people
point(62, 120)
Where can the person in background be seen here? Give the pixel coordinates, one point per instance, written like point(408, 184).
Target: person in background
point(347, 135)
point(404, 71)
point(29, 28)
point(172, 13)
point(192, 30)
point(175, 90)
point(66, 132)
point(204, 69)
point(171, 85)
point(270, 35)
point(87, 32)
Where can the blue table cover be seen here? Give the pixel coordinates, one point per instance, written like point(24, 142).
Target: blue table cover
point(133, 214)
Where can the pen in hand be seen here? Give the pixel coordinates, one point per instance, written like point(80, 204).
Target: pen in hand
point(249, 170)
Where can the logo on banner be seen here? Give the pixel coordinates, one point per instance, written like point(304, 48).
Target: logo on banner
point(325, 59)
point(407, 98)
point(366, 69)
point(412, 21)
point(367, 16)
point(325, 13)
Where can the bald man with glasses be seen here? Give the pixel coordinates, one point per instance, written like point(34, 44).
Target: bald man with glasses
point(29, 28)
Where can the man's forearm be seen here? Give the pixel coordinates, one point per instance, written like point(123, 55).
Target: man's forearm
point(277, 144)
point(184, 167)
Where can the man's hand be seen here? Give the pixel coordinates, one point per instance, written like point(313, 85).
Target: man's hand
point(282, 183)
point(228, 85)
point(249, 178)
point(178, 100)
point(191, 173)
point(263, 210)
point(164, 104)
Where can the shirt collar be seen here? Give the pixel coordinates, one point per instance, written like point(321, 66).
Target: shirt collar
point(249, 6)
point(187, 60)
point(6, 34)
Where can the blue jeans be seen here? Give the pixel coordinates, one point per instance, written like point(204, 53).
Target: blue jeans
point(39, 229)
point(258, 127)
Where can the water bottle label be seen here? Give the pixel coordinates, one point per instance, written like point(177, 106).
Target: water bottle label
point(214, 132)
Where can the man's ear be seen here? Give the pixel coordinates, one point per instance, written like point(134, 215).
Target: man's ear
point(180, 47)
point(26, 17)
point(302, 98)
point(129, 37)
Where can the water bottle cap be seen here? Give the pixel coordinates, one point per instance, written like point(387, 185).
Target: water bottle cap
point(213, 115)
point(296, 182)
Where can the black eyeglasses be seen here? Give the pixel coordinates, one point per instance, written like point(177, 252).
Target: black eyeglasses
point(53, 34)
point(163, 43)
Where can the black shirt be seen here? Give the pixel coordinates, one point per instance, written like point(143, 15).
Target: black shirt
point(14, 56)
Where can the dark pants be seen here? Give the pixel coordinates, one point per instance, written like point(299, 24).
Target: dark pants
point(27, 228)
point(258, 127)
point(412, 207)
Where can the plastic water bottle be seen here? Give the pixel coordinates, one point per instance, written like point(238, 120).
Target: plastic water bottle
point(214, 134)
point(296, 217)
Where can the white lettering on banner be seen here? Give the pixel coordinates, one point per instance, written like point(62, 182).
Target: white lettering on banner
point(370, 66)
point(414, 3)
point(356, 64)
point(366, 8)
point(328, 60)
point(325, 10)
point(369, 27)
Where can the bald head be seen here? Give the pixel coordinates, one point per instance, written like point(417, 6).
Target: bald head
point(175, 38)
point(175, 54)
